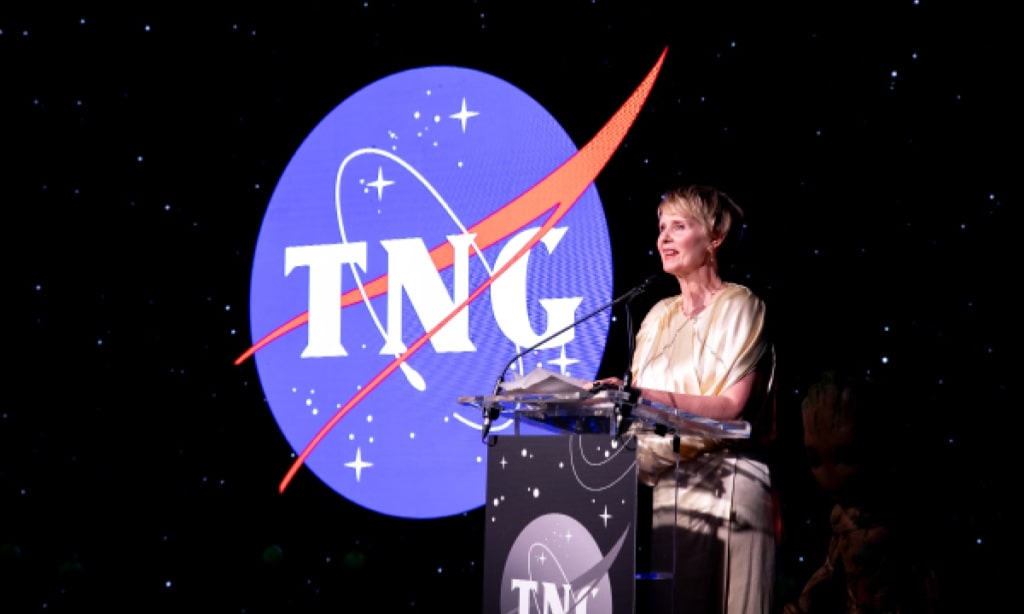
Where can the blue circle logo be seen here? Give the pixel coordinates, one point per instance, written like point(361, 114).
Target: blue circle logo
point(430, 228)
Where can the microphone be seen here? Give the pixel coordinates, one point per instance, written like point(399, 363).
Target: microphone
point(491, 413)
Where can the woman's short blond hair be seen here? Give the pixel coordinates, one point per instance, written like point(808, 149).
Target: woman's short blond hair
point(711, 207)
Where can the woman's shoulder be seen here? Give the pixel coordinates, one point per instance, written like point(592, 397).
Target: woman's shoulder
point(664, 304)
point(738, 303)
point(658, 312)
point(740, 295)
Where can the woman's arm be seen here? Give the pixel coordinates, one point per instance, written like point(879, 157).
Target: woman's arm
point(727, 406)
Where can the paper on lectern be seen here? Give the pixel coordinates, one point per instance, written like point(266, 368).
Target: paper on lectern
point(542, 381)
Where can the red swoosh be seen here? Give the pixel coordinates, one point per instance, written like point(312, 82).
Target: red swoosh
point(559, 190)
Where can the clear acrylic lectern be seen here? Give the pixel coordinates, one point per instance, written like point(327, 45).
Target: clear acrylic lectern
point(561, 406)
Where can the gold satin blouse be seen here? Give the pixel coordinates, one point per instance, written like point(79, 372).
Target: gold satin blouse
point(703, 354)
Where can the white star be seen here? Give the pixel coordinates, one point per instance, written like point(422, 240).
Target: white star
point(380, 183)
point(605, 516)
point(563, 362)
point(358, 464)
point(463, 115)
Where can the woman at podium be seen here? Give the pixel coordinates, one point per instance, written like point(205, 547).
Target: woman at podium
point(705, 351)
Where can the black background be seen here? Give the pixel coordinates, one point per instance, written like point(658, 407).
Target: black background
point(873, 146)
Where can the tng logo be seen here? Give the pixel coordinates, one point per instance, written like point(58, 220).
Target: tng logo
point(411, 274)
point(429, 228)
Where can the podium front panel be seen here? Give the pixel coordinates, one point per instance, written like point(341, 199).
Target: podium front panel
point(561, 517)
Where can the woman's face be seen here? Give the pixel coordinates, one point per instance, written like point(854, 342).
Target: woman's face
point(683, 243)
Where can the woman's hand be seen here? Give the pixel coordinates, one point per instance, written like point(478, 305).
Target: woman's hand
point(607, 383)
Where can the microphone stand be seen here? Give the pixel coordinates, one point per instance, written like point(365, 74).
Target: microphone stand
point(623, 410)
point(493, 410)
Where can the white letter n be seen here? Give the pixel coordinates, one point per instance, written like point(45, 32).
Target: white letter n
point(411, 269)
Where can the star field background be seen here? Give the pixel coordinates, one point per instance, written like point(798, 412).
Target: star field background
point(873, 146)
